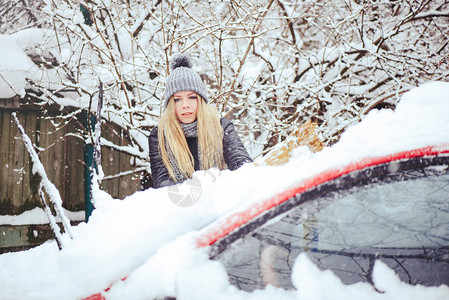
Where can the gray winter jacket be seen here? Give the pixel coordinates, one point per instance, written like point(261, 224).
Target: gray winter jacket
point(234, 153)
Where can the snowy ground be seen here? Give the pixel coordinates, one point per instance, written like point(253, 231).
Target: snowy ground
point(149, 239)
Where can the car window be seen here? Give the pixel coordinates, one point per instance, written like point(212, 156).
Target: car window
point(396, 212)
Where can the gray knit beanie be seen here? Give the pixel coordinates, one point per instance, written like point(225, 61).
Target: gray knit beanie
point(183, 78)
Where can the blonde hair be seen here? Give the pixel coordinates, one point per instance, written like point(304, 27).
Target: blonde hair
point(210, 140)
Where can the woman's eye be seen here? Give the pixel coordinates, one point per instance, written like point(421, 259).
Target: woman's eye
point(176, 99)
point(193, 97)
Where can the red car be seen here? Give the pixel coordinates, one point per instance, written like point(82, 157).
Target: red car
point(393, 208)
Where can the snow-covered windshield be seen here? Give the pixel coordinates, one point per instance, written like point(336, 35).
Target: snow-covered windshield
point(409, 214)
point(398, 217)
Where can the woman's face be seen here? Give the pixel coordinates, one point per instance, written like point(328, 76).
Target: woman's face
point(186, 106)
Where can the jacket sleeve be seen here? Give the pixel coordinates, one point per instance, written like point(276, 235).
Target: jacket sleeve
point(159, 172)
point(235, 154)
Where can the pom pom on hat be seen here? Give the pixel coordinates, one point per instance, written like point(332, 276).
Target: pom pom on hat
point(183, 78)
point(180, 60)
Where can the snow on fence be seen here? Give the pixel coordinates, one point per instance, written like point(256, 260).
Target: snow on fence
point(62, 155)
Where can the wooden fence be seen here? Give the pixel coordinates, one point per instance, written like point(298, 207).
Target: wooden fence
point(62, 155)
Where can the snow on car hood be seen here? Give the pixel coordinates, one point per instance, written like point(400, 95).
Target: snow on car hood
point(149, 234)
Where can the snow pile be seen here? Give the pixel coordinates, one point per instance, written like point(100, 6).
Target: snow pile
point(150, 239)
point(16, 66)
point(315, 284)
point(420, 119)
point(189, 274)
point(37, 216)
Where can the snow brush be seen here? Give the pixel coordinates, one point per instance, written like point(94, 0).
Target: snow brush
point(305, 135)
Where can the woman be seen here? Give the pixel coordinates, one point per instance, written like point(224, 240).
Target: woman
point(190, 135)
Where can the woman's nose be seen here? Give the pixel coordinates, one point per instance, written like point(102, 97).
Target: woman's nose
point(185, 103)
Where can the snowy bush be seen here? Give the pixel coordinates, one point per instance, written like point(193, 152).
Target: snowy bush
point(269, 65)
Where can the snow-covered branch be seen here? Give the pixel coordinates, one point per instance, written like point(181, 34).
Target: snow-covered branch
point(269, 65)
point(50, 188)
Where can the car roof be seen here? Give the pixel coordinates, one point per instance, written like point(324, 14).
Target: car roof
point(227, 224)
